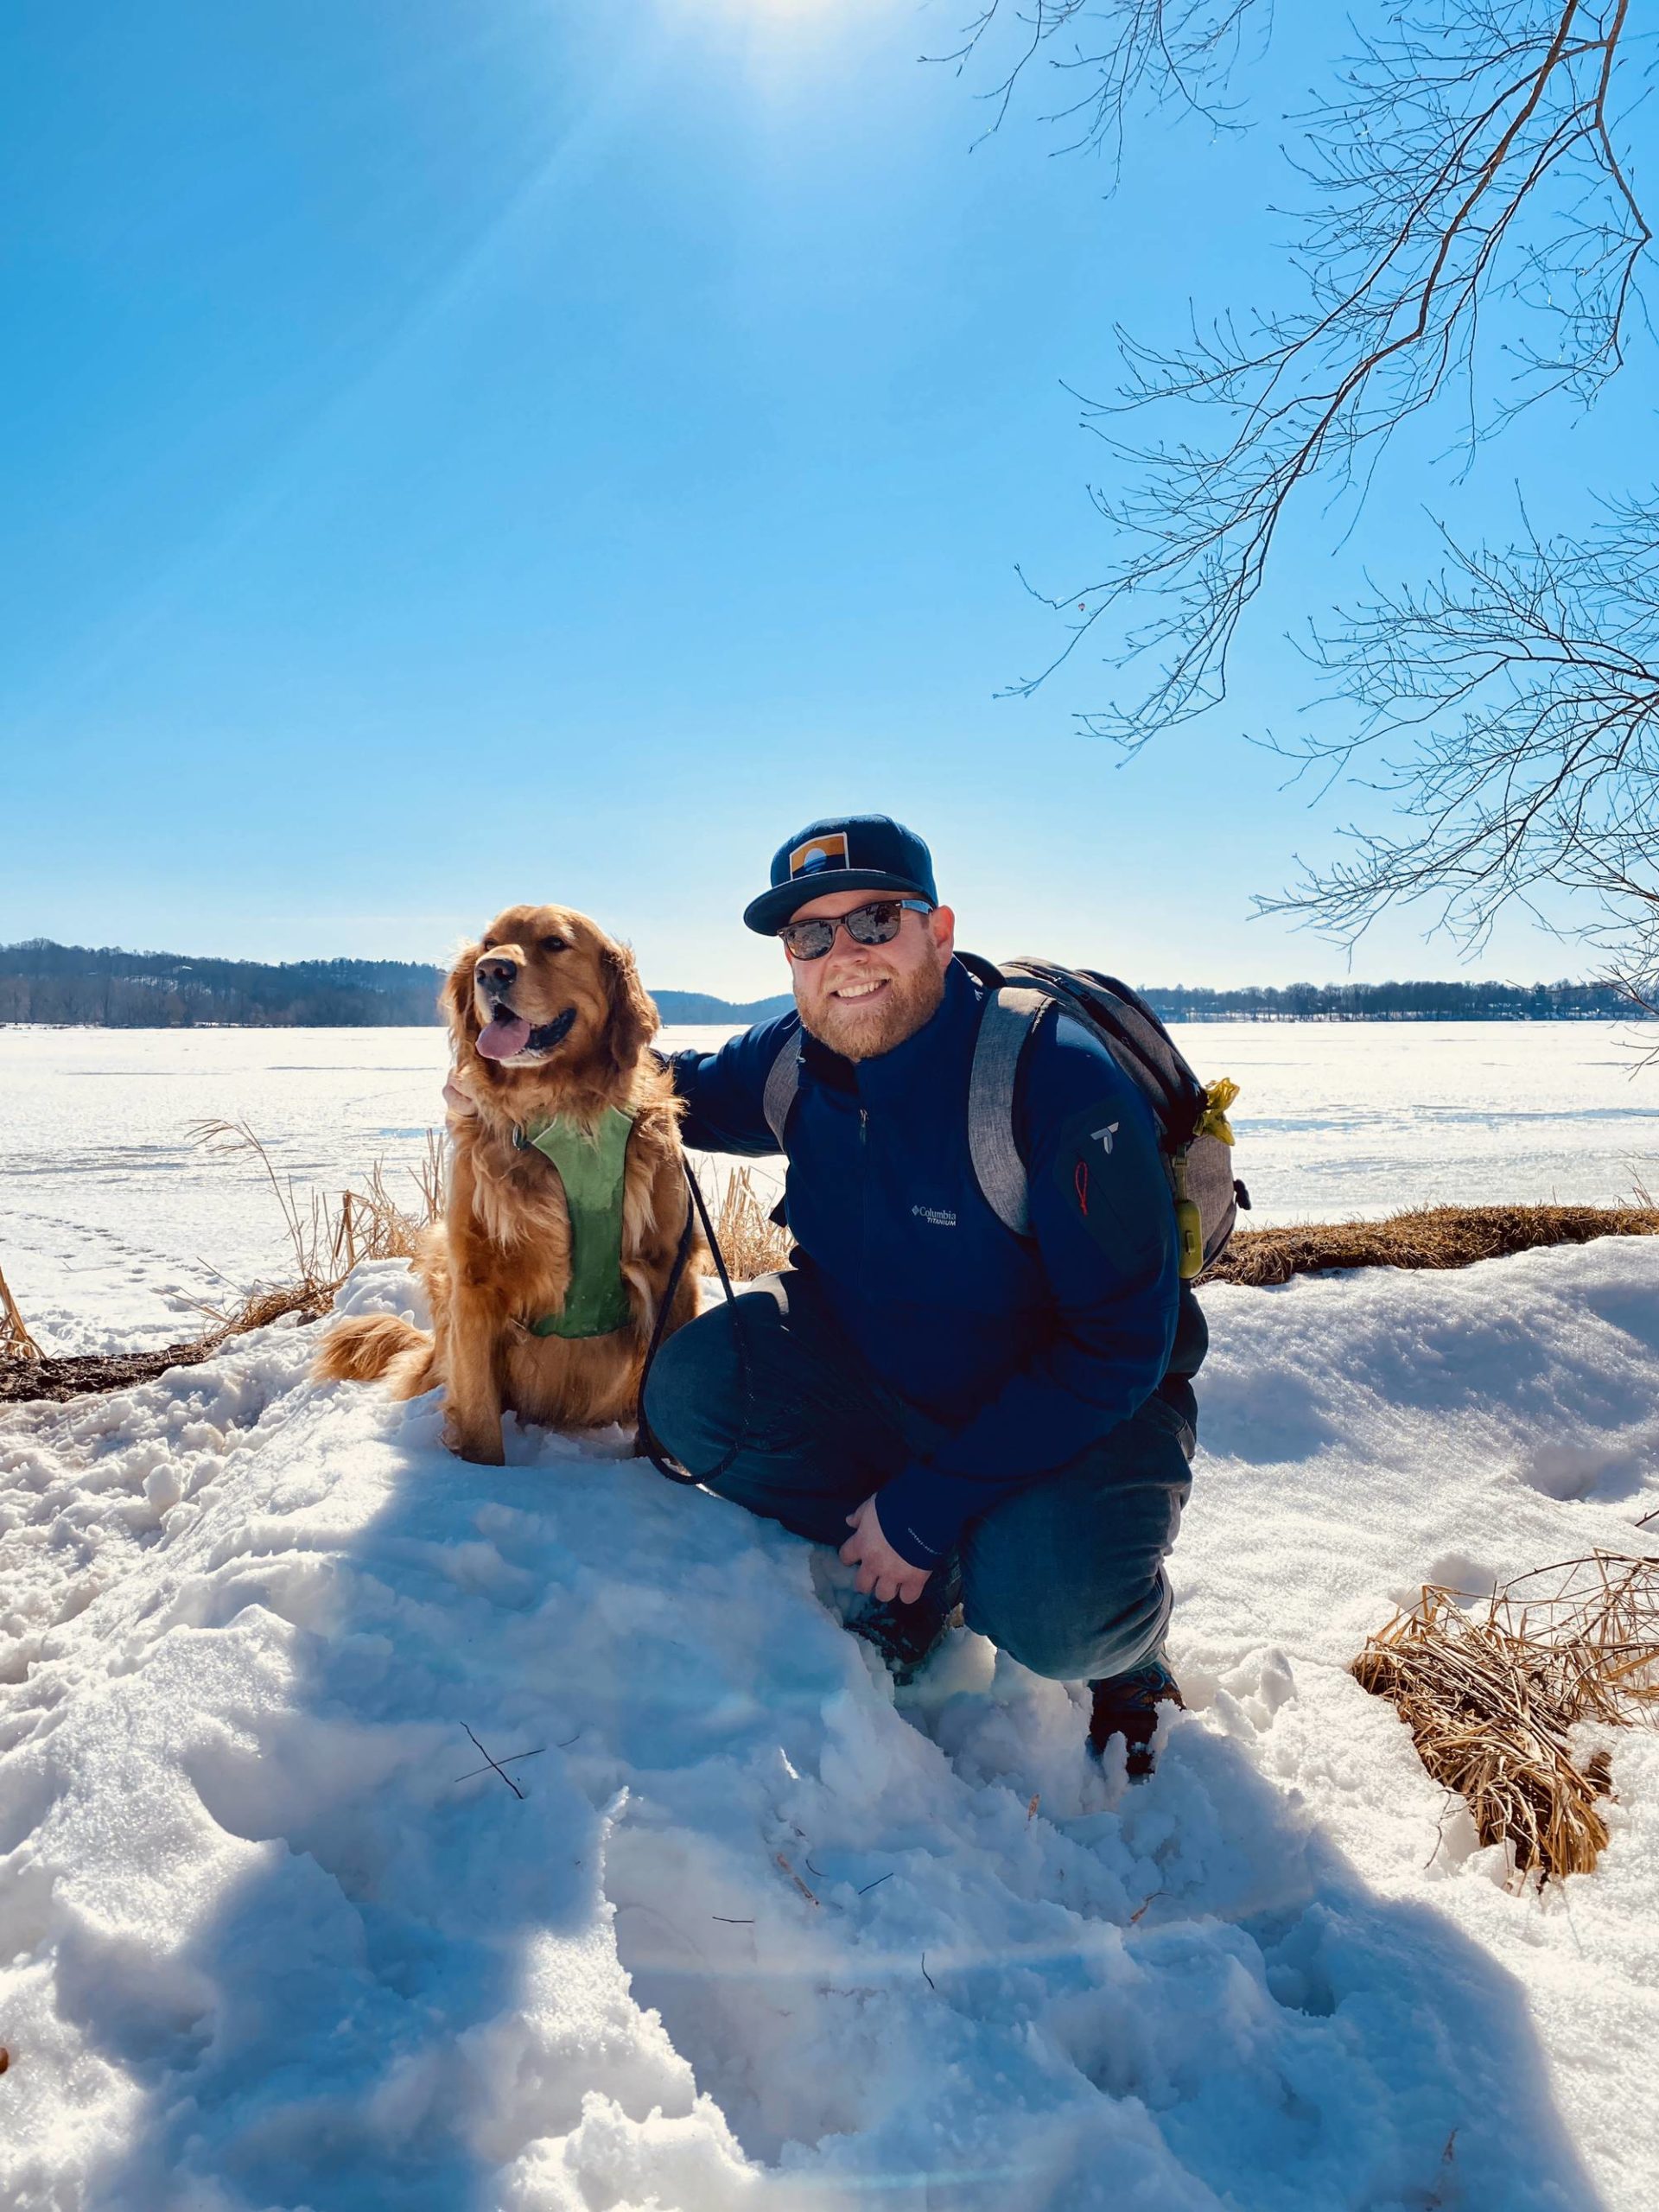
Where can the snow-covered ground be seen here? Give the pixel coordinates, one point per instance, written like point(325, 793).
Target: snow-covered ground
point(754, 1934)
point(112, 1222)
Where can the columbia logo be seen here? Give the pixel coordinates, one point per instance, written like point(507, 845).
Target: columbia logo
point(940, 1217)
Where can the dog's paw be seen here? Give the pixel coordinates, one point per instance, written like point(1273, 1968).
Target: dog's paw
point(481, 1451)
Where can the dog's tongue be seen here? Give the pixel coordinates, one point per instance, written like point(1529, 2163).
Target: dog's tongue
point(505, 1036)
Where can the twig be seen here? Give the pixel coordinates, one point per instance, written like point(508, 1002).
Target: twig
point(1435, 2199)
point(496, 1763)
point(927, 1977)
point(727, 1920)
point(796, 1878)
point(876, 1885)
point(513, 1761)
point(15, 1338)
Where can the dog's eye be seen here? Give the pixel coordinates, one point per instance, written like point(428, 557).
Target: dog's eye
point(488, 945)
point(555, 944)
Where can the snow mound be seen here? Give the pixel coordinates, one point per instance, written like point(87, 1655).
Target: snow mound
point(745, 1933)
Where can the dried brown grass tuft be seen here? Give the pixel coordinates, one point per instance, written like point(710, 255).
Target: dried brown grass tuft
point(751, 1242)
point(1493, 1697)
point(16, 1342)
point(1427, 1236)
point(327, 1238)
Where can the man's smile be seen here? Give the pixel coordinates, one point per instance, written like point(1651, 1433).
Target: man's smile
point(860, 990)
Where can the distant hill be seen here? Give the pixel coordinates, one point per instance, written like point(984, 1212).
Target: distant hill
point(105, 989)
point(74, 984)
point(111, 990)
point(698, 1007)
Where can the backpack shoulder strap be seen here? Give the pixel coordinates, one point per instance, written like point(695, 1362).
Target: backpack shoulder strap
point(783, 1081)
point(1008, 1017)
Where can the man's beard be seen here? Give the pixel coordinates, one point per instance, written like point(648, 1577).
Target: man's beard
point(861, 1031)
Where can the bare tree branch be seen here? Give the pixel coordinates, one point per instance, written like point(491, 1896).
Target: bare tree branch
point(1470, 158)
point(1514, 703)
point(1111, 56)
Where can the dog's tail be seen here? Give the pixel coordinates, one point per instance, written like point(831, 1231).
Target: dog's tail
point(366, 1347)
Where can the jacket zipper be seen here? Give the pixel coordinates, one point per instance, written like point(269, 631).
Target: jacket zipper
point(864, 1192)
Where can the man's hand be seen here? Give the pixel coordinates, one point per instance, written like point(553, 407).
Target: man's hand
point(880, 1567)
point(456, 1098)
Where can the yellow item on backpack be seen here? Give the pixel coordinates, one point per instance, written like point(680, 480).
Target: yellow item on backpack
point(1218, 1097)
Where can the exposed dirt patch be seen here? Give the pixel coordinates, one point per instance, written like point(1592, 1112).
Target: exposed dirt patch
point(22, 1379)
point(86, 1373)
point(1427, 1236)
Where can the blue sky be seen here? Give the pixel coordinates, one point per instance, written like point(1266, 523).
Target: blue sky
point(459, 452)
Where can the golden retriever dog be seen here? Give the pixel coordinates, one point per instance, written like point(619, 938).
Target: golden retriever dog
point(550, 1025)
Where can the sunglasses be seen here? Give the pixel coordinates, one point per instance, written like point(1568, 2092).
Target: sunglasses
point(875, 924)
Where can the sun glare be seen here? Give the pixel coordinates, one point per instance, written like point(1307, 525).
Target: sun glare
point(784, 30)
point(776, 15)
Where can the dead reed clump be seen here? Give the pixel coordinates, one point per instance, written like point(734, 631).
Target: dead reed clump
point(327, 1238)
point(16, 1342)
point(1493, 1697)
point(1426, 1236)
point(751, 1242)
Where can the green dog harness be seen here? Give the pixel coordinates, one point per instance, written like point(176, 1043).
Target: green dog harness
point(591, 1170)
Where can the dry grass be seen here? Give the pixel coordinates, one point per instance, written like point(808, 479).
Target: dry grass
point(750, 1240)
point(1494, 1696)
point(1427, 1236)
point(327, 1238)
point(16, 1342)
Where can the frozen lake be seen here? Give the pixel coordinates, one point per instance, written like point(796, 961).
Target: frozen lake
point(111, 1221)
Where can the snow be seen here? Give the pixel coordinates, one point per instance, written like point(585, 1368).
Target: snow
point(757, 1934)
point(117, 1224)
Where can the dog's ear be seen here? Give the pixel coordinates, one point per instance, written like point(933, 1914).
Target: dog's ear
point(456, 1001)
point(633, 1020)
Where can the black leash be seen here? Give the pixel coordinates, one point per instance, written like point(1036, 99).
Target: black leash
point(644, 1442)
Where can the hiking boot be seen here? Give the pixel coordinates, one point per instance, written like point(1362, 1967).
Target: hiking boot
point(1127, 1705)
point(907, 1636)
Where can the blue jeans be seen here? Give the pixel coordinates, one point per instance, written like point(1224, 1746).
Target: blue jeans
point(1067, 1574)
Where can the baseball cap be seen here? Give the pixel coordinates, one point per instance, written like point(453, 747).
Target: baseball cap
point(845, 852)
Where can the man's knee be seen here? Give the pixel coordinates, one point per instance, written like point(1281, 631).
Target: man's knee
point(691, 1393)
point(1068, 1576)
point(1060, 1634)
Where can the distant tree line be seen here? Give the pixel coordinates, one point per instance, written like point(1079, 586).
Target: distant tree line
point(111, 990)
point(1395, 1002)
point(104, 988)
point(78, 985)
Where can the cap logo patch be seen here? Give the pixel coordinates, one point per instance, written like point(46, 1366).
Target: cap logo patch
point(830, 851)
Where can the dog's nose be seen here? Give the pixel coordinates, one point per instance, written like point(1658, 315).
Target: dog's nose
point(495, 969)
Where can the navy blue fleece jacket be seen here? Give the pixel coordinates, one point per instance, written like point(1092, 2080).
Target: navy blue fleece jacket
point(1028, 1348)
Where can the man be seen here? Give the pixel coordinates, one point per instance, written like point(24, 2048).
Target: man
point(1006, 1419)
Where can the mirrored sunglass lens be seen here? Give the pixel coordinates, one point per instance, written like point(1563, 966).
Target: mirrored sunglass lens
point(875, 925)
point(809, 940)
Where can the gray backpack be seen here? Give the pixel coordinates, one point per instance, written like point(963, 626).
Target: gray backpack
point(1190, 1116)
